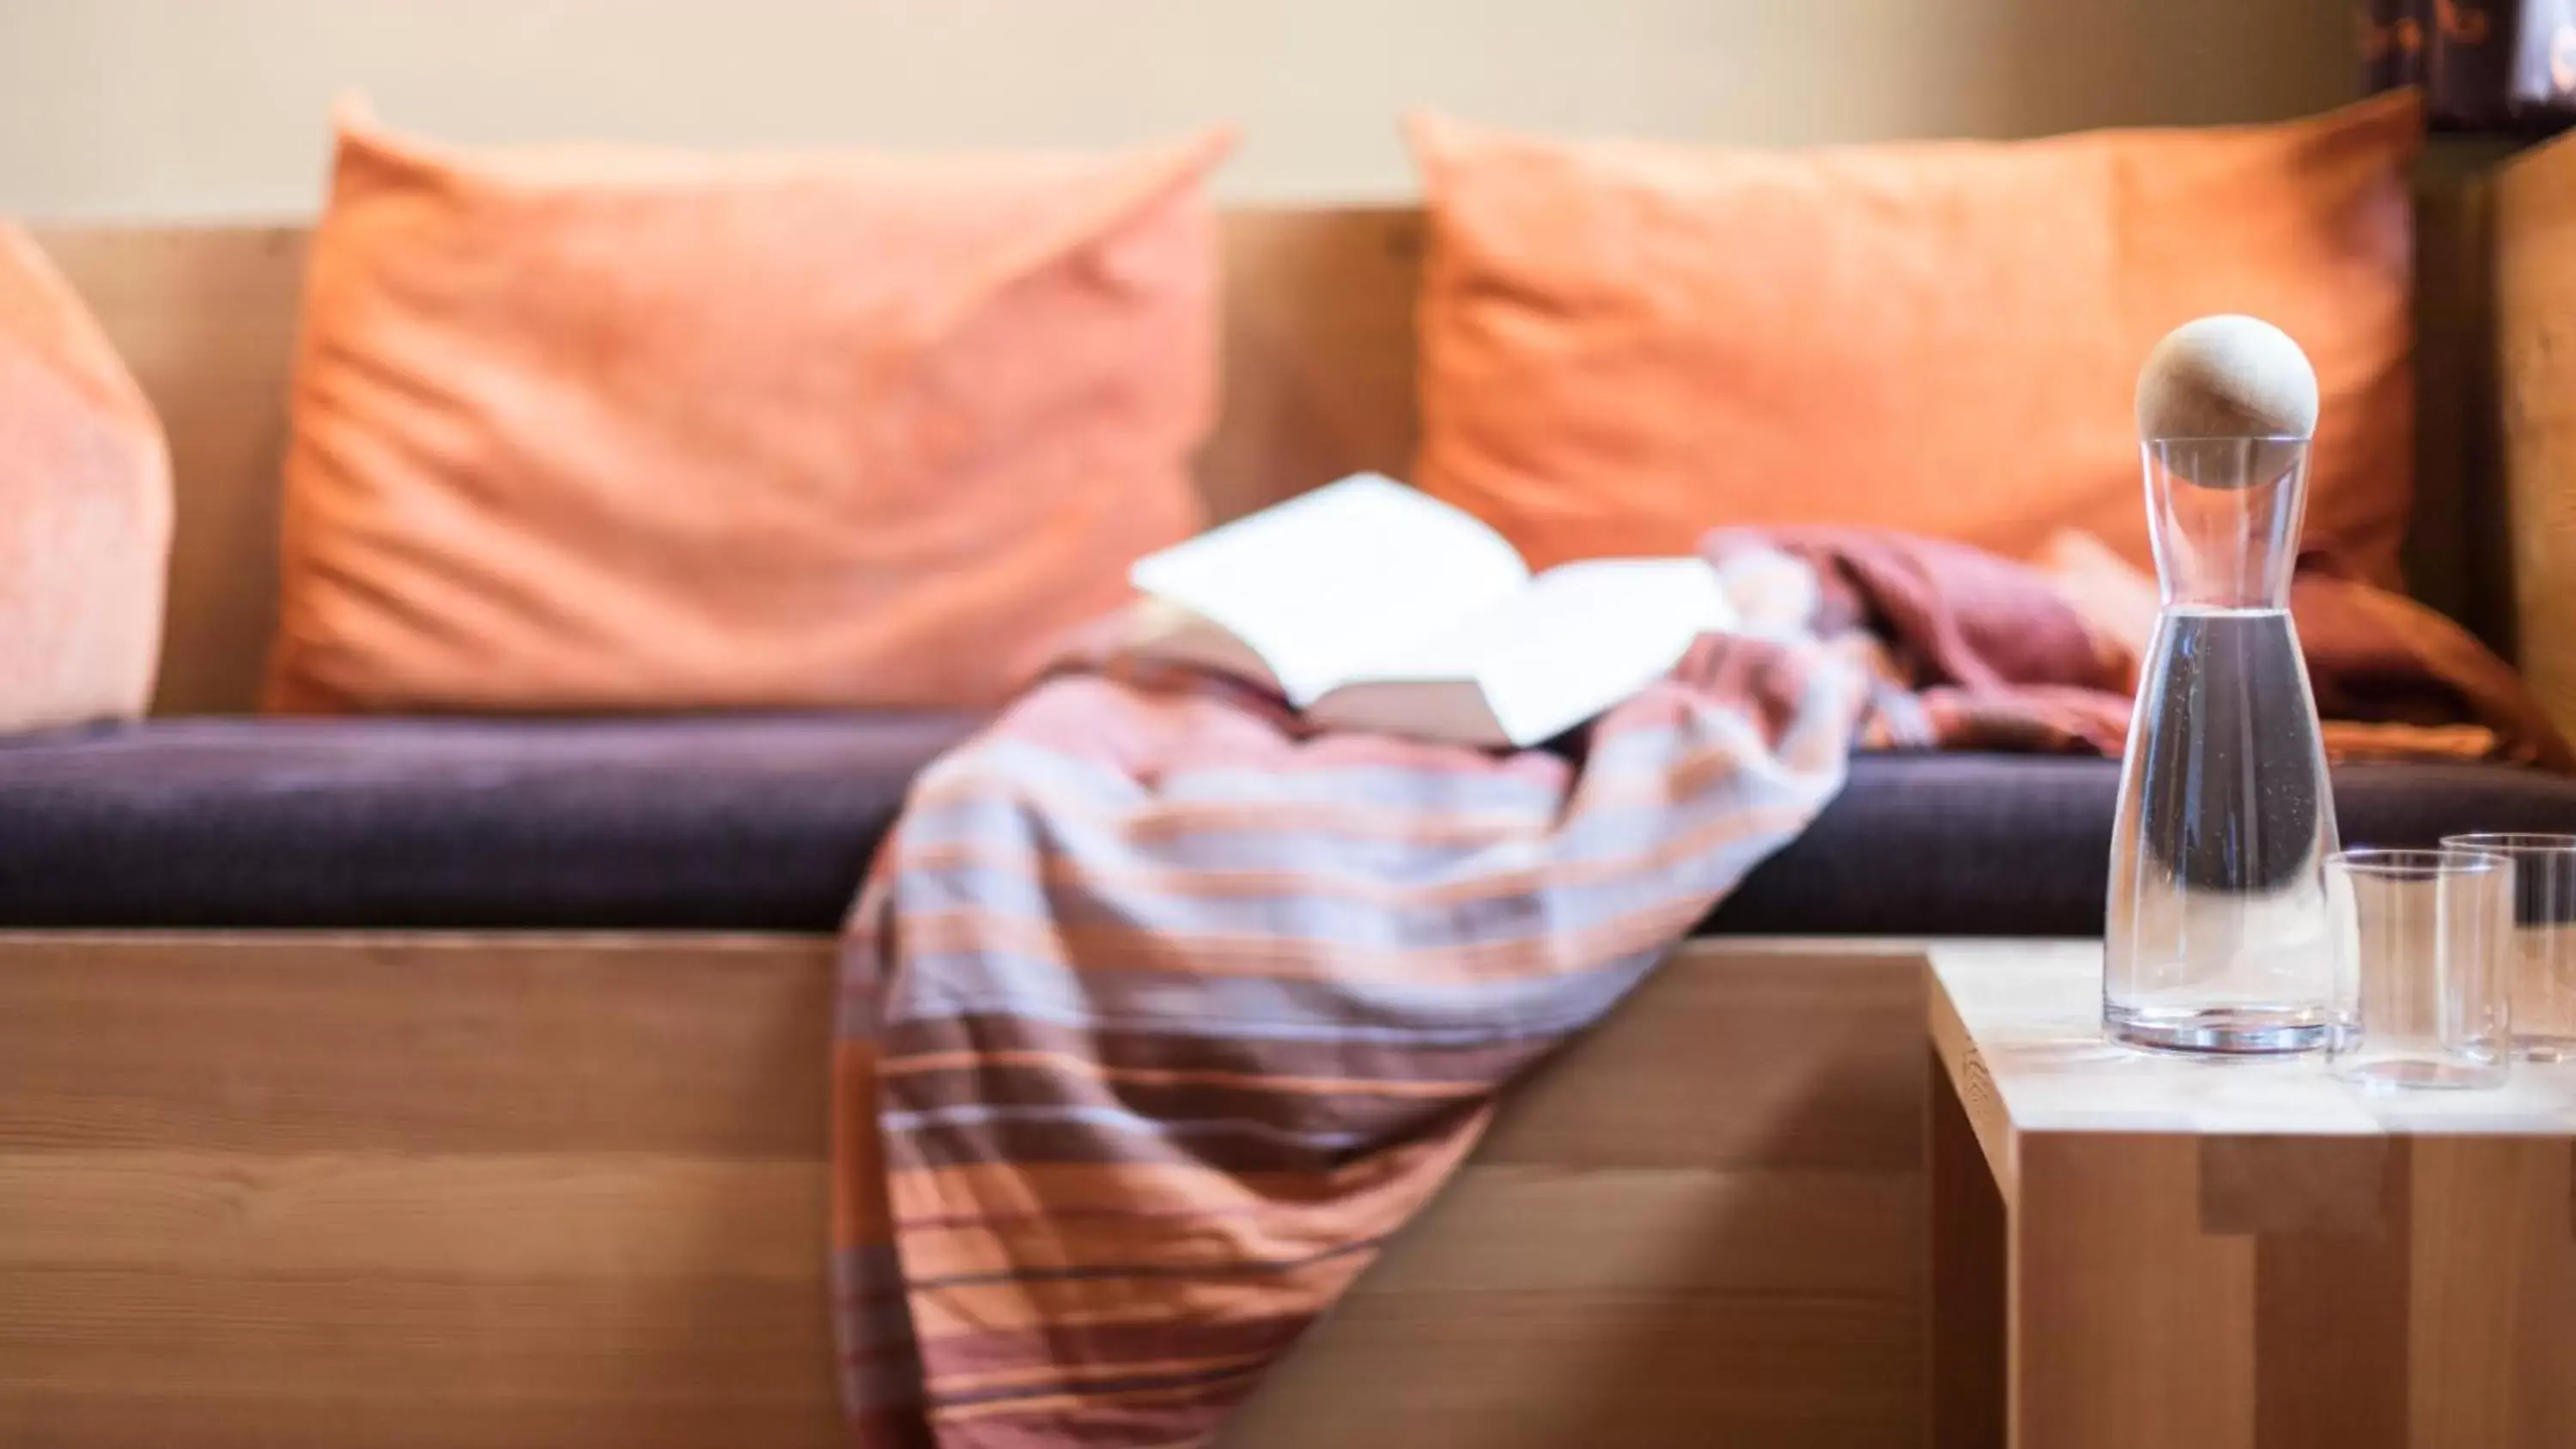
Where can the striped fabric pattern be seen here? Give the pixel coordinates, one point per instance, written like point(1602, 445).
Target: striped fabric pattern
point(1160, 1014)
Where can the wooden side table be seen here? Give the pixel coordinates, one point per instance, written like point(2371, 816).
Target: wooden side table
point(2135, 1250)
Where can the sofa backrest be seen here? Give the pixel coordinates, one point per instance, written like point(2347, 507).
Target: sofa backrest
point(1318, 375)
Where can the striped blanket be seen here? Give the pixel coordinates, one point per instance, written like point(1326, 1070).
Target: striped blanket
point(1160, 1014)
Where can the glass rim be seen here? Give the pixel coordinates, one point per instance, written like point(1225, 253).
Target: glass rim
point(2512, 842)
point(2405, 863)
point(2226, 438)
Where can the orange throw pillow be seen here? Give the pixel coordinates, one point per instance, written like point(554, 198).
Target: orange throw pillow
point(1624, 344)
point(84, 509)
point(583, 428)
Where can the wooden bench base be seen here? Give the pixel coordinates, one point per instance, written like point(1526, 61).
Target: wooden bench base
point(416, 1192)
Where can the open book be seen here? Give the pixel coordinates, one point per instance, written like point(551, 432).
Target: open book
point(1371, 606)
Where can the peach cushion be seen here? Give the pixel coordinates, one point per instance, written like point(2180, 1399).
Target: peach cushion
point(579, 428)
point(84, 509)
point(1624, 344)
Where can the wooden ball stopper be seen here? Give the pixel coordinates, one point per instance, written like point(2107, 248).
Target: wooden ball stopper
point(2228, 378)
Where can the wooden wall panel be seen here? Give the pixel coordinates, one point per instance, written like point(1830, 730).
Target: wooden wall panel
point(2456, 553)
point(205, 317)
point(1318, 354)
point(441, 1192)
point(2535, 356)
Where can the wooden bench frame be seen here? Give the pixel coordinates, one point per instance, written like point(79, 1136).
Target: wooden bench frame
point(417, 1190)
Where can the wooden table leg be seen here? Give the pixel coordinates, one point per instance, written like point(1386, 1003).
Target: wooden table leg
point(1966, 1352)
point(2273, 1293)
point(2491, 1293)
point(2132, 1328)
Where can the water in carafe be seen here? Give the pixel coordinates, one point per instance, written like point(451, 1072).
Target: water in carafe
point(2217, 936)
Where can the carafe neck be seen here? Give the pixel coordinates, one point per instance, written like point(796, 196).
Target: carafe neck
point(2223, 514)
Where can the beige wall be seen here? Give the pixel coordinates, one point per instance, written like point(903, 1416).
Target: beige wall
point(169, 107)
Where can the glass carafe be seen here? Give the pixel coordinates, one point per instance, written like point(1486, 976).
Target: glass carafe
point(2217, 936)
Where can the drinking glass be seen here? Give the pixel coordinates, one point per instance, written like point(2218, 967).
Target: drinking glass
point(2420, 998)
point(2540, 956)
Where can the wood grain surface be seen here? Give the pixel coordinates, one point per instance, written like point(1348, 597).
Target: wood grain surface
point(2534, 359)
point(2238, 1253)
point(2029, 1018)
point(453, 1192)
point(1966, 1362)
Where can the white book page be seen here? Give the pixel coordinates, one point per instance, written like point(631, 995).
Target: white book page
point(1317, 586)
point(1576, 641)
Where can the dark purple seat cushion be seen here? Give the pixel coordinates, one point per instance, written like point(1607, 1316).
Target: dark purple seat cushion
point(766, 824)
point(726, 823)
point(2020, 845)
